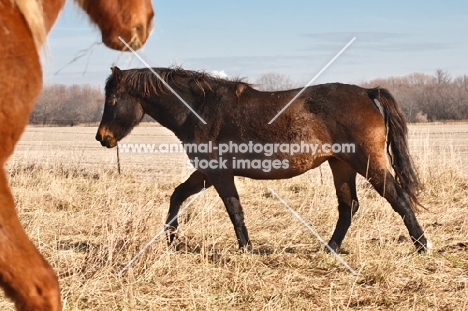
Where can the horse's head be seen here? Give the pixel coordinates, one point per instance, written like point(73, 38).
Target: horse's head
point(122, 111)
point(132, 20)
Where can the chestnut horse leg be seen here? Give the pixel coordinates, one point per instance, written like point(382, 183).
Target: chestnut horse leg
point(25, 275)
point(344, 178)
point(195, 183)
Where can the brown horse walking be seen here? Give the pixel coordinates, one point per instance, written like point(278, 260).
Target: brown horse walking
point(25, 275)
point(238, 132)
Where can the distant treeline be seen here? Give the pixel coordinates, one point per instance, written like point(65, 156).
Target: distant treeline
point(423, 98)
point(68, 105)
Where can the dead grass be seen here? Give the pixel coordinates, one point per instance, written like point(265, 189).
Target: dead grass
point(88, 221)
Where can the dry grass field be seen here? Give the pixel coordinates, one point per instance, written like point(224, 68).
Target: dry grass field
point(89, 221)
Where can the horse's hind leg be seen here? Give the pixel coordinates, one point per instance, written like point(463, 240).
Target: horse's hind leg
point(383, 181)
point(195, 183)
point(24, 274)
point(387, 187)
point(344, 178)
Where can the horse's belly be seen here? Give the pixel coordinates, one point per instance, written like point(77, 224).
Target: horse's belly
point(285, 167)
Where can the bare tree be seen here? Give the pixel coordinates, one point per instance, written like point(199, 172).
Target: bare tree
point(442, 77)
point(419, 78)
point(273, 81)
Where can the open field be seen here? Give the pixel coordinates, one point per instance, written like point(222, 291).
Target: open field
point(89, 221)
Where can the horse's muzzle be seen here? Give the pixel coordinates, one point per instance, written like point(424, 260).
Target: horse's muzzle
point(106, 141)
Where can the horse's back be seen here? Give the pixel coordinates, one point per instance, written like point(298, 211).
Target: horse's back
point(345, 110)
point(336, 99)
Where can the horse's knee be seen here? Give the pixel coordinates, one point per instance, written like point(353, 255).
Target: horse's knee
point(195, 183)
point(177, 197)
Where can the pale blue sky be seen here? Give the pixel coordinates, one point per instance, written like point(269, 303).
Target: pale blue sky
point(295, 38)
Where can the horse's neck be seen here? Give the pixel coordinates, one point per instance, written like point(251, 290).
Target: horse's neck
point(165, 110)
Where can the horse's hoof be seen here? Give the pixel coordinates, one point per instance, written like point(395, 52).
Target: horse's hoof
point(171, 235)
point(179, 246)
point(332, 245)
point(182, 247)
point(425, 249)
point(246, 248)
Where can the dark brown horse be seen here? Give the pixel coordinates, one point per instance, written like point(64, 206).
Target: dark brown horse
point(243, 143)
point(25, 275)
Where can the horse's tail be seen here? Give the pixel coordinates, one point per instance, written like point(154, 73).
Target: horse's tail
point(397, 144)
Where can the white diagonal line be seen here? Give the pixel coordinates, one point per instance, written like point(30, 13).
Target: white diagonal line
point(159, 77)
point(159, 233)
point(314, 233)
point(313, 79)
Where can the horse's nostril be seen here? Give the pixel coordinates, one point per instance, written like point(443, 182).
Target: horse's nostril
point(98, 137)
point(138, 28)
point(103, 140)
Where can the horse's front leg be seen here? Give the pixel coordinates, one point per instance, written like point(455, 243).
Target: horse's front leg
point(223, 181)
point(236, 214)
point(195, 183)
point(25, 275)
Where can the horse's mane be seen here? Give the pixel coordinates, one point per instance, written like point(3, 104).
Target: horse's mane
point(33, 13)
point(34, 16)
point(144, 82)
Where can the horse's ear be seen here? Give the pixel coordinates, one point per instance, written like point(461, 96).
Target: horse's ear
point(117, 73)
point(239, 89)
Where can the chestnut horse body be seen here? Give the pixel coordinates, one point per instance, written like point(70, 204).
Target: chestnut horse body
point(25, 275)
point(237, 115)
